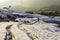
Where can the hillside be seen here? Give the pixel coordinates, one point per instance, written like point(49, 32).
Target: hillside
point(35, 5)
point(51, 8)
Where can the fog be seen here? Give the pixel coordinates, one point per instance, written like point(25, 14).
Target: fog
point(30, 3)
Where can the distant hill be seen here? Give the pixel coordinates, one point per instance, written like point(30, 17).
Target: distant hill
point(48, 8)
point(51, 8)
point(33, 5)
point(20, 8)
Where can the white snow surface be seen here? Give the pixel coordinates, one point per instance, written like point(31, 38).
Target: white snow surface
point(44, 31)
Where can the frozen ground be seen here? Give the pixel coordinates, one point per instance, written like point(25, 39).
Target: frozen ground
point(37, 31)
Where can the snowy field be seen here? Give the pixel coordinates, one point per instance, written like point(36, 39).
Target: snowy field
point(28, 30)
point(37, 31)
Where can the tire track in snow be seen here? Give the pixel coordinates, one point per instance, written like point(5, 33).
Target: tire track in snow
point(9, 35)
point(28, 32)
